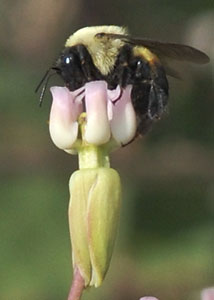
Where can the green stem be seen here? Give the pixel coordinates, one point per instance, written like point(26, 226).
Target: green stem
point(91, 156)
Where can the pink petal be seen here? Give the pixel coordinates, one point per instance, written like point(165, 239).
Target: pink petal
point(64, 113)
point(208, 294)
point(97, 127)
point(123, 118)
point(115, 94)
point(148, 298)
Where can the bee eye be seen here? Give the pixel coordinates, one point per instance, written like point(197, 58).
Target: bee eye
point(67, 59)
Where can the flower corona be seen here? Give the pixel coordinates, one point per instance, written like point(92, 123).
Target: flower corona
point(109, 115)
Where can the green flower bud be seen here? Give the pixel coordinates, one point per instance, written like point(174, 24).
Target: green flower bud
point(93, 219)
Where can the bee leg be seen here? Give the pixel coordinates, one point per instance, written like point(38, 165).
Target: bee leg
point(149, 100)
point(89, 71)
point(155, 76)
point(157, 100)
point(140, 100)
point(121, 74)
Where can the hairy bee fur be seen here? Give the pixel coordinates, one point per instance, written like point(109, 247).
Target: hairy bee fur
point(91, 54)
point(104, 51)
point(109, 53)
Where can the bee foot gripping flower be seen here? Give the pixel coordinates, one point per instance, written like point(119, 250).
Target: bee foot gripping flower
point(92, 121)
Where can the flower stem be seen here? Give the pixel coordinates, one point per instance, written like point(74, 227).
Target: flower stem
point(77, 286)
point(93, 157)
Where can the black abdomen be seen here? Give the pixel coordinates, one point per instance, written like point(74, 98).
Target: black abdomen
point(150, 86)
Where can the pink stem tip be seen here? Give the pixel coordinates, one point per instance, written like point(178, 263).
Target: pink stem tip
point(77, 286)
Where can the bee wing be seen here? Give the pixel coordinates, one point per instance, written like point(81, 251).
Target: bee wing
point(174, 51)
point(167, 53)
point(164, 50)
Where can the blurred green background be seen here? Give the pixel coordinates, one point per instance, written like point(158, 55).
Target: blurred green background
point(165, 245)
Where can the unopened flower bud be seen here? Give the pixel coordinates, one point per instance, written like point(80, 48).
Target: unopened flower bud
point(93, 219)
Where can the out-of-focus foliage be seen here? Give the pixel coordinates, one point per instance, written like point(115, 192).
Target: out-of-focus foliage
point(165, 245)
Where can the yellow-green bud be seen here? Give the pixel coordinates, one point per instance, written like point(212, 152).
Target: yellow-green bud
point(93, 219)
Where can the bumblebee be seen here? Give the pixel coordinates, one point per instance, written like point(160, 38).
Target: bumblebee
point(109, 53)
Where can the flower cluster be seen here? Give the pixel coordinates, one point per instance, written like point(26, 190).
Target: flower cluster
point(109, 115)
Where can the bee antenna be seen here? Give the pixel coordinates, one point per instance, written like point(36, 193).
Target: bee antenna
point(42, 80)
point(45, 79)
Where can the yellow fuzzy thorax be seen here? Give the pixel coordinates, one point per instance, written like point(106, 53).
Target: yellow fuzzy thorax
point(103, 51)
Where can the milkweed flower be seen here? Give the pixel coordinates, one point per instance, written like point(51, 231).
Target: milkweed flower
point(109, 115)
point(207, 294)
point(91, 122)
